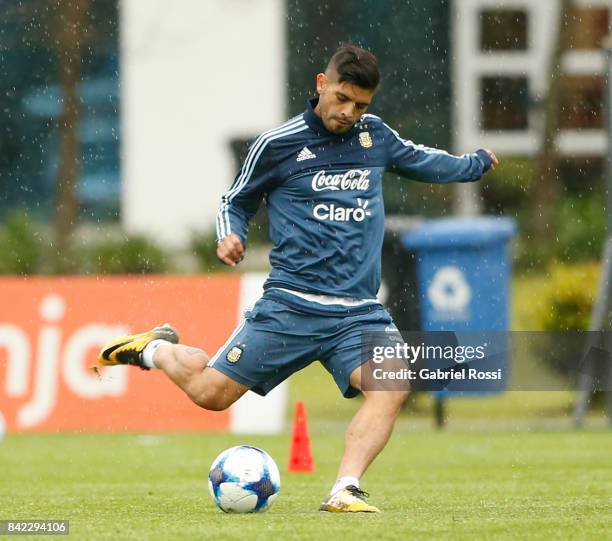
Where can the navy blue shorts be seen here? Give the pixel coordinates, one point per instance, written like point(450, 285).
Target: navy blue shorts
point(276, 340)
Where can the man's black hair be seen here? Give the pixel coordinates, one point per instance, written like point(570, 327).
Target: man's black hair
point(355, 66)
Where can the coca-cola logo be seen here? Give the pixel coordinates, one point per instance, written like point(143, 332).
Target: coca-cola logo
point(354, 179)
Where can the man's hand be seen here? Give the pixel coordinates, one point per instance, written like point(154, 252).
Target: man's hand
point(231, 250)
point(493, 158)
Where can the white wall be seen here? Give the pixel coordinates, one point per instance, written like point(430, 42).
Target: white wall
point(194, 75)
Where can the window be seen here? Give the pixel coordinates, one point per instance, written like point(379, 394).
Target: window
point(503, 30)
point(507, 62)
point(588, 27)
point(505, 102)
point(582, 102)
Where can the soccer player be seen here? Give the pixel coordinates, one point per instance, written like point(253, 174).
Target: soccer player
point(321, 175)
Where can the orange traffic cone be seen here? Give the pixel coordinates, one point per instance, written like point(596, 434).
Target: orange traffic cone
point(300, 458)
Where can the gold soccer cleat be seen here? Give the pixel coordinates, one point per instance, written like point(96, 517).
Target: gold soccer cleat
point(128, 349)
point(348, 500)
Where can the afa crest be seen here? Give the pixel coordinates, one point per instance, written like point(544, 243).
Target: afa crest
point(365, 139)
point(234, 354)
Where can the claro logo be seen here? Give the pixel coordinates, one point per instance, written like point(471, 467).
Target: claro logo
point(34, 370)
point(328, 212)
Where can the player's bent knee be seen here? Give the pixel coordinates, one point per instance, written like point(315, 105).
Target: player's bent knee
point(212, 400)
point(396, 399)
point(216, 392)
point(390, 400)
point(402, 396)
point(213, 397)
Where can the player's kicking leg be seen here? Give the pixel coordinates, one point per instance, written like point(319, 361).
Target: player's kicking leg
point(184, 365)
point(365, 438)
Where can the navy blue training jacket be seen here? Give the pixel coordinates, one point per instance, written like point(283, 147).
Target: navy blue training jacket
point(324, 198)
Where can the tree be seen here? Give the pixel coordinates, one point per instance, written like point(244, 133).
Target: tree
point(547, 187)
point(69, 25)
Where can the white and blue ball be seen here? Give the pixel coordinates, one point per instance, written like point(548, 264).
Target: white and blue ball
point(244, 479)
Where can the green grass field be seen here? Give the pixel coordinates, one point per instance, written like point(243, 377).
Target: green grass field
point(507, 467)
point(454, 484)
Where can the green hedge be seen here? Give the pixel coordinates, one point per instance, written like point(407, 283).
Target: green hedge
point(565, 301)
point(22, 248)
point(27, 247)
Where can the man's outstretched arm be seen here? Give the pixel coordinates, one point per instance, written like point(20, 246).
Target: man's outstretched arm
point(426, 164)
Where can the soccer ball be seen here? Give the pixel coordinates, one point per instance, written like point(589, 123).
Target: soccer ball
point(244, 479)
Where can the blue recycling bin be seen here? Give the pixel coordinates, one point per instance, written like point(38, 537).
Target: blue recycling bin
point(463, 270)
